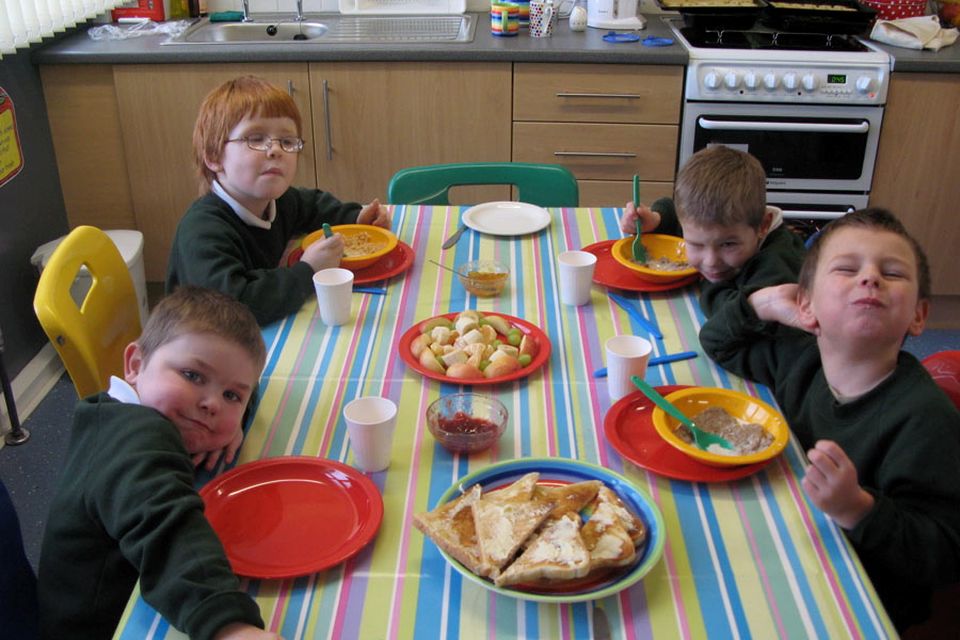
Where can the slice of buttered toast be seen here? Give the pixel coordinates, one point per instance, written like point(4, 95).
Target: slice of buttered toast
point(632, 524)
point(556, 553)
point(452, 527)
point(606, 540)
point(569, 497)
point(505, 518)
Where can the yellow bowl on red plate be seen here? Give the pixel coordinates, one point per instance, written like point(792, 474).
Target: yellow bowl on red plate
point(693, 400)
point(658, 246)
point(364, 244)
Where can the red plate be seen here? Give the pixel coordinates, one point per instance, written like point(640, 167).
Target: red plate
point(629, 429)
point(394, 263)
point(611, 273)
point(543, 342)
point(292, 516)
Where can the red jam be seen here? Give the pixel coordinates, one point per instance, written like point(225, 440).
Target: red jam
point(464, 423)
point(464, 433)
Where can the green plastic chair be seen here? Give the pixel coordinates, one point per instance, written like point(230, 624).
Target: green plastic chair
point(546, 185)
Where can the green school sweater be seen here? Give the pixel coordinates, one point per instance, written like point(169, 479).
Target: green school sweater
point(214, 248)
point(903, 437)
point(126, 508)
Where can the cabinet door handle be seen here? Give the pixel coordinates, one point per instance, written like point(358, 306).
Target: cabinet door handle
point(326, 111)
point(569, 94)
point(290, 88)
point(597, 154)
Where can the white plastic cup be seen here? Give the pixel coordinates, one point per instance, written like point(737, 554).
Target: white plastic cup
point(626, 356)
point(576, 276)
point(334, 289)
point(371, 421)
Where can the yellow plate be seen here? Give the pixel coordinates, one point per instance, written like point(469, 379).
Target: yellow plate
point(658, 245)
point(693, 400)
point(377, 235)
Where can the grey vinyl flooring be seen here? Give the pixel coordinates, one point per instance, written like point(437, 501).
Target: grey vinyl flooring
point(29, 471)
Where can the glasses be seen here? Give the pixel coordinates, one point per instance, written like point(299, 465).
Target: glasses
point(259, 142)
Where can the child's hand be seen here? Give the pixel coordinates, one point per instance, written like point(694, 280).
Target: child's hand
point(325, 253)
point(778, 303)
point(209, 458)
point(375, 214)
point(649, 219)
point(831, 483)
point(241, 631)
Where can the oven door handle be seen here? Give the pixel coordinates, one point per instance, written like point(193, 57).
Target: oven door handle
point(790, 214)
point(806, 127)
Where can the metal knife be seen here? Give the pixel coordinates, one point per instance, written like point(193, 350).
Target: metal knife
point(452, 240)
point(633, 311)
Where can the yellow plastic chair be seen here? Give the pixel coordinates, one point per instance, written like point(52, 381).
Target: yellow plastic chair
point(545, 185)
point(91, 337)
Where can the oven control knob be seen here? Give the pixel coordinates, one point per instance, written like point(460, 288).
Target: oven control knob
point(864, 84)
point(711, 80)
point(790, 81)
point(750, 80)
point(810, 82)
point(770, 81)
point(731, 80)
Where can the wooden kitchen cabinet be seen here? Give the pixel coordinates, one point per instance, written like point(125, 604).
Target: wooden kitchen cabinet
point(916, 176)
point(373, 119)
point(603, 122)
point(158, 106)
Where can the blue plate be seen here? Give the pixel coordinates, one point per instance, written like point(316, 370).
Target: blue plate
point(562, 471)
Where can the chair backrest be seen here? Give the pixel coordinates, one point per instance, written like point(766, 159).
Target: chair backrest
point(546, 185)
point(90, 337)
point(944, 368)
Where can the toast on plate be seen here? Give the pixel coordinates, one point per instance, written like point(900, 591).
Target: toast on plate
point(556, 553)
point(505, 518)
point(607, 541)
point(569, 497)
point(452, 528)
point(632, 524)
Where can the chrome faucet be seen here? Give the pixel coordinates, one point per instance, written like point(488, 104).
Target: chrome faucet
point(246, 11)
point(299, 10)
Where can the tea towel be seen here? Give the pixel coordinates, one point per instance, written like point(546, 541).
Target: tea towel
point(922, 32)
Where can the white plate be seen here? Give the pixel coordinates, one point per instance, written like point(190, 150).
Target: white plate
point(506, 218)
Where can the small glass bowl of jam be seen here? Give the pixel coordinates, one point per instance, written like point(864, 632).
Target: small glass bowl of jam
point(467, 422)
point(484, 278)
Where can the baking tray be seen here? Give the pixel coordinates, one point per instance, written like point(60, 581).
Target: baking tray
point(716, 14)
point(810, 16)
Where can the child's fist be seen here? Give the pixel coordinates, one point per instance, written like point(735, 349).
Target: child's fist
point(649, 219)
point(375, 214)
point(325, 253)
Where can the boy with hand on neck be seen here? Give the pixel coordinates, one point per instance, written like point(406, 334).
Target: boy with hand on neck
point(883, 440)
point(247, 140)
point(126, 508)
point(736, 242)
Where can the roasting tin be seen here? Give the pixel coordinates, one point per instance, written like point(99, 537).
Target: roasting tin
point(812, 16)
point(716, 14)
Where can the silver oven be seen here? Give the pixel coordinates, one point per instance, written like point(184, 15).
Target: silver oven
point(808, 106)
point(801, 147)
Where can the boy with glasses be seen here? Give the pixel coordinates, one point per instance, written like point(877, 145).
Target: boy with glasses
point(247, 141)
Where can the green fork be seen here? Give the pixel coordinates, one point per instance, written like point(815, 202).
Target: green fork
point(639, 251)
point(703, 439)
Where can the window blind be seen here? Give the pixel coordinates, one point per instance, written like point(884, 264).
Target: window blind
point(25, 22)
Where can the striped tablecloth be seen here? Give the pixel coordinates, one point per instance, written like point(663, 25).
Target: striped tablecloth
point(746, 559)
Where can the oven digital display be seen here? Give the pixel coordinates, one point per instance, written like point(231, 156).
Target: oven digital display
point(836, 78)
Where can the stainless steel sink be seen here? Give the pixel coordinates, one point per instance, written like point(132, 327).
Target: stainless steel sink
point(331, 29)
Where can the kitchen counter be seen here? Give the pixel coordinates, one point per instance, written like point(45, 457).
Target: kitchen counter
point(947, 60)
point(564, 46)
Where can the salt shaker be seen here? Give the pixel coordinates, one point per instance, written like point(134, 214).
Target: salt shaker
point(578, 16)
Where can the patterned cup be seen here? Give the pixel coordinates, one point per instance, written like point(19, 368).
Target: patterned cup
point(504, 19)
point(543, 18)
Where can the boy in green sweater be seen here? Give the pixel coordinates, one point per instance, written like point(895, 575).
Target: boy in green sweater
point(733, 238)
point(247, 140)
point(883, 439)
point(126, 508)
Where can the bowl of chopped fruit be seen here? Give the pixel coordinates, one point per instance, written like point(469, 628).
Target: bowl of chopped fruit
point(467, 422)
point(755, 430)
point(666, 258)
point(363, 244)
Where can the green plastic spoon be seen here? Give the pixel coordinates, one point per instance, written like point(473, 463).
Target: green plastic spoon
point(703, 439)
point(639, 251)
